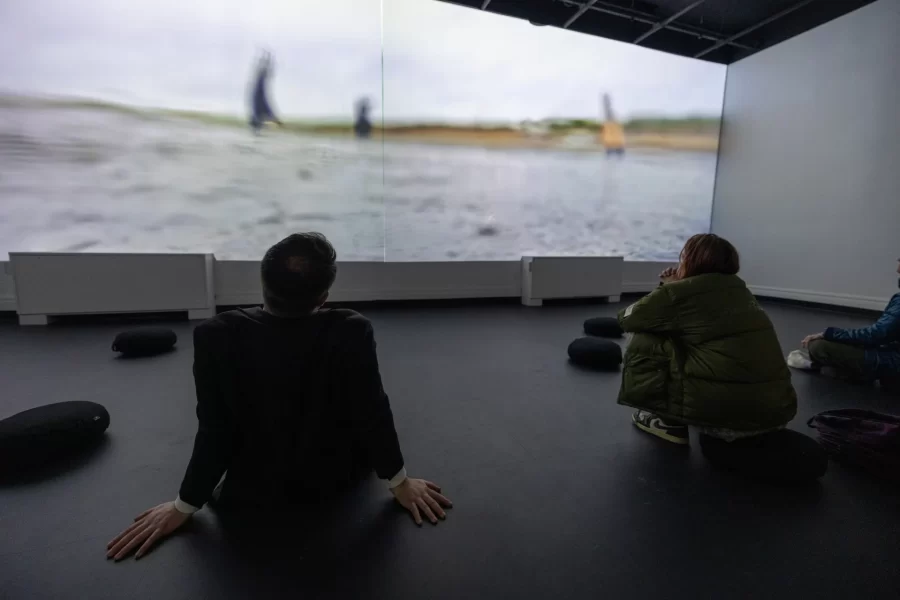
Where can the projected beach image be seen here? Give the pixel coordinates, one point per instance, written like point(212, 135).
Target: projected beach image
point(408, 130)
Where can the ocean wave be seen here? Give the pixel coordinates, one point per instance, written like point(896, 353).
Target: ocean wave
point(104, 181)
point(16, 145)
point(167, 149)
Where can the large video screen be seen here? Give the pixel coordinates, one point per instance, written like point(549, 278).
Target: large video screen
point(404, 130)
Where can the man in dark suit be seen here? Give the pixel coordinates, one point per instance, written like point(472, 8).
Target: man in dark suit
point(290, 405)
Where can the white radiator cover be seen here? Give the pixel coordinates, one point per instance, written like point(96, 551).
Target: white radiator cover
point(238, 282)
point(50, 284)
point(41, 285)
point(549, 277)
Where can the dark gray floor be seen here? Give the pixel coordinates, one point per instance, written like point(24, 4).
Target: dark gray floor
point(556, 494)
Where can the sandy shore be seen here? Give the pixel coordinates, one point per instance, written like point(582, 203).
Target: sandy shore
point(509, 138)
point(662, 134)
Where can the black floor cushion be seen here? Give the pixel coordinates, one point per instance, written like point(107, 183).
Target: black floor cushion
point(603, 327)
point(145, 341)
point(595, 353)
point(39, 435)
point(783, 456)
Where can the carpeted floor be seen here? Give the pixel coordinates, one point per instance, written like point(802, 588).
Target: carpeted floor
point(556, 494)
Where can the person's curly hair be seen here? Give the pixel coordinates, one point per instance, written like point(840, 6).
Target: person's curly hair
point(708, 253)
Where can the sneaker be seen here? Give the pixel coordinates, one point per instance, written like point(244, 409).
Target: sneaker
point(647, 421)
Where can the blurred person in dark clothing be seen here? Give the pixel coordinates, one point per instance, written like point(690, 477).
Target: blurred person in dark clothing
point(362, 126)
point(260, 108)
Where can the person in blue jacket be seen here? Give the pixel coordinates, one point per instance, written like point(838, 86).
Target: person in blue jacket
point(866, 353)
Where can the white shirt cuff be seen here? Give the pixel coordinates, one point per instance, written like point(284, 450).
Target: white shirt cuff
point(397, 479)
point(183, 507)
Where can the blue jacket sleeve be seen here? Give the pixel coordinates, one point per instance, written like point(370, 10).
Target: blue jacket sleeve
point(884, 331)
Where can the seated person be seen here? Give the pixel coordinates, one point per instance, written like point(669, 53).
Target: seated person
point(704, 353)
point(289, 402)
point(863, 354)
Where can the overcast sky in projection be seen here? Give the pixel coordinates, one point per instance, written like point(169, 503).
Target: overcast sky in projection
point(441, 62)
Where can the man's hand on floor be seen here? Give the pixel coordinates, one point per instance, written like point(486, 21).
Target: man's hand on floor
point(148, 528)
point(422, 497)
point(811, 338)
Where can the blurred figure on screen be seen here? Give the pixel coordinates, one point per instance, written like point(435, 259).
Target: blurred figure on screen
point(260, 109)
point(362, 126)
point(612, 135)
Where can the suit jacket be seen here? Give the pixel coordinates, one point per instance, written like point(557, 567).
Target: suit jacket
point(288, 407)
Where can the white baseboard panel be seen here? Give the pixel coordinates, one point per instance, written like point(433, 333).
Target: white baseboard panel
point(830, 298)
point(642, 277)
point(254, 297)
point(60, 283)
point(422, 293)
point(7, 288)
point(39, 320)
point(247, 298)
point(238, 282)
point(555, 277)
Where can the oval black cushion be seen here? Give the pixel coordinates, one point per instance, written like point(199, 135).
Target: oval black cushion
point(595, 353)
point(145, 341)
point(781, 456)
point(603, 326)
point(38, 435)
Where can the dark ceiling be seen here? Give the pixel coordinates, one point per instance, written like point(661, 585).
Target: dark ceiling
point(721, 31)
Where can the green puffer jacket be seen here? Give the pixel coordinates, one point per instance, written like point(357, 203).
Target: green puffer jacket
point(704, 353)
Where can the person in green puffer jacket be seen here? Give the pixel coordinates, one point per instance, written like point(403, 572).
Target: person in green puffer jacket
point(703, 353)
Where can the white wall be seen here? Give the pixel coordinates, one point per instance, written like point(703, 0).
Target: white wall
point(808, 184)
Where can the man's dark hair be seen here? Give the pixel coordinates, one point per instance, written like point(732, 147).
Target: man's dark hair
point(297, 272)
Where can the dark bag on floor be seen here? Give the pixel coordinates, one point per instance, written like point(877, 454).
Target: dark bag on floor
point(603, 327)
point(783, 456)
point(595, 353)
point(40, 435)
point(145, 341)
point(861, 438)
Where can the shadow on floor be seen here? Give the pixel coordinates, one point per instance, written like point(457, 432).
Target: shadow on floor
point(316, 549)
point(145, 357)
point(29, 473)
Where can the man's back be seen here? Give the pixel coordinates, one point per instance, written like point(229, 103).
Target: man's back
point(292, 404)
point(290, 408)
